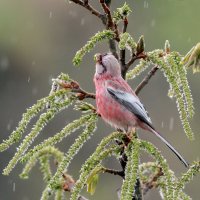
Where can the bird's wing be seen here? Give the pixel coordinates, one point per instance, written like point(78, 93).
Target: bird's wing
point(130, 102)
point(133, 104)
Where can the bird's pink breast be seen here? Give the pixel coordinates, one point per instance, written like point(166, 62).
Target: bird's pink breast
point(111, 111)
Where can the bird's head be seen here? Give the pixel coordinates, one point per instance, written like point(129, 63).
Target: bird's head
point(107, 65)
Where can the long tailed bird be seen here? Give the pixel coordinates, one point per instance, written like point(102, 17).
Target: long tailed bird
point(118, 104)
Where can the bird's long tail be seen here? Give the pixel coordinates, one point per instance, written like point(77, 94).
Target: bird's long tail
point(171, 147)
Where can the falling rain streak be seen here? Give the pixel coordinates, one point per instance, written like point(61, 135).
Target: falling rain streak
point(146, 4)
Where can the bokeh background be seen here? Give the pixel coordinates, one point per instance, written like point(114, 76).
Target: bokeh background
point(38, 39)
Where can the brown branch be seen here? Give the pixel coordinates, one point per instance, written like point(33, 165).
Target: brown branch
point(75, 87)
point(138, 191)
point(146, 79)
point(86, 5)
point(134, 58)
point(114, 172)
point(148, 76)
point(110, 24)
point(123, 52)
point(82, 94)
point(153, 182)
point(105, 18)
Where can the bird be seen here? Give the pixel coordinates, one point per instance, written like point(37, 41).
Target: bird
point(117, 103)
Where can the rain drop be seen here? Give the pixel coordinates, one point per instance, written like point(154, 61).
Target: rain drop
point(9, 125)
point(162, 124)
point(171, 124)
point(73, 14)
point(33, 63)
point(34, 91)
point(50, 79)
point(14, 187)
point(189, 40)
point(153, 22)
point(146, 4)
point(50, 14)
point(4, 63)
point(82, 22)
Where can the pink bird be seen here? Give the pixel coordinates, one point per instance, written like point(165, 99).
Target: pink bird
point(117, 103)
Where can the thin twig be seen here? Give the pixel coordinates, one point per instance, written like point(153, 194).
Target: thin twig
point(86, 5)
point(114, 172)
point(106, 20)
point(134, 58)
point(146, 79)
point(153, 182)
point(110, 24)
point(82, 94)
point(75, 87)
point(123, 52)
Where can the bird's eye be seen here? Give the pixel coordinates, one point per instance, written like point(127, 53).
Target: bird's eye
point(105, 54)
point(101, 69)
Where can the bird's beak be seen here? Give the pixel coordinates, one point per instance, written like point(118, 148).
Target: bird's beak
point(98, 58)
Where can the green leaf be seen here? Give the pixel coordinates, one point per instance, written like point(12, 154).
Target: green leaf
point(192, 58)
point(92, 183)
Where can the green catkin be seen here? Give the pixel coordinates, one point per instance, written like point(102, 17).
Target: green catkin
point(171, 78)
point(42, 121)
point(131, 172)
point(26, 118)
point(58, 137)
point(147, 170)
point(138, 69)
point(184, 196)
point(48, 150)
point(94, 160)
point(174, 60)
point(98, 37)
point(59, 194)
point(28, 167)
point(155, 153)
point(186, 177)
point(90, 128)
point(126, 41)
point(45, 168)
point(46, 194)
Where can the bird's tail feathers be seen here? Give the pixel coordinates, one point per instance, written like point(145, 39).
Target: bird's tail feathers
point(171, 147)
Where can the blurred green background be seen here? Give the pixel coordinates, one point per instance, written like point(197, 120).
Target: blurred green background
point(38, 39)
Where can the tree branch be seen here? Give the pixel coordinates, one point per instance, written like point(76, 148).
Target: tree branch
point(106, 9)
point(86, 5)
point(110, 25)
point(108, 22)
point(153, 182)
point(105, 18)
point(114, 172)
point(134, 58)
point(75, 87)
point(123, 52)
point(146, 79)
